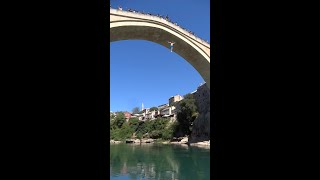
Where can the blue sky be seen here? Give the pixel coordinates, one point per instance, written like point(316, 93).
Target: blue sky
point(148, 73)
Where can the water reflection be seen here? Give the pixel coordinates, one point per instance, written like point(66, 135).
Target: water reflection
point(151, 161)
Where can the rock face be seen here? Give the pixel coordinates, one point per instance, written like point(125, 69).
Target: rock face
point(179, 140)
point(201, 125)
point(147, 141)
point(184, 140)
point(129, 141)
point(138, 141)
point(203, 143)
point(115, 142)
point(176, 139)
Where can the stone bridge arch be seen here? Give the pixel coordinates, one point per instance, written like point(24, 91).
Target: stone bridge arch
point(135, 26)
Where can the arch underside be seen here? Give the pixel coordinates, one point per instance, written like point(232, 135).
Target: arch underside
point(186, 49)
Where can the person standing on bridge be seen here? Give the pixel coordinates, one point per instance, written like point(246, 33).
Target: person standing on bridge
point(171, 45)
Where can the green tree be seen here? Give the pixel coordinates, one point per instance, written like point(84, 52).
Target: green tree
point(186, 114)
point(112, 116)
point(134, 123)
point(139, 135)
point(125, 132)
point(154, 109)
point(167, 133)
point(120, 119)
point(155, 134)
point(190, 101)
point(113, 124)
point(158, 128)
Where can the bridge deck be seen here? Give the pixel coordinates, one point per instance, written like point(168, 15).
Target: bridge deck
point(159, 19)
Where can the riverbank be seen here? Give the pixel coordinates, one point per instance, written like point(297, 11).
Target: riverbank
point(177, 141)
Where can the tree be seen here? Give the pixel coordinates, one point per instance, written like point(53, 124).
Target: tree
point(120, 119)
point(154, 109)
point(134, 123)
point(167, 133)
point(113, 124)
point(135, 110)
point(186, 114)
point(112, 116)
point(125, 131)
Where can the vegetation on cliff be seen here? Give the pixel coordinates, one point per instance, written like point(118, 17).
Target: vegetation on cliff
point(159, 128)
point(186, 114)
point(120, 129)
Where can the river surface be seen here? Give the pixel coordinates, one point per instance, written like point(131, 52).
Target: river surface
point(157, 161)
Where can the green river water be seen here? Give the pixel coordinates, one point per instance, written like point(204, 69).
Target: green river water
point(159, 161)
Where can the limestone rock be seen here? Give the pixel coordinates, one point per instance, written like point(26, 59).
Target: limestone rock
point(129, 141)
point(147, 141)
point(115, 142)
point(184, 140)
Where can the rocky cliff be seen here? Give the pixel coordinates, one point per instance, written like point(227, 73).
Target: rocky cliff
point(201, 125)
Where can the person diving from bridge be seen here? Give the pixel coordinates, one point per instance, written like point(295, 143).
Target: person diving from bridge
point(171, 45)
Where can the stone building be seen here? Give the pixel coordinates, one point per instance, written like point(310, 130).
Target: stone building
point(150, 115)
point(127, 115)
point(175, 98)
point(167, 112)
point(163, 106)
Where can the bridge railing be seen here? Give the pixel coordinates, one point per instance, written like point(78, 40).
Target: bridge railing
point(156, 18)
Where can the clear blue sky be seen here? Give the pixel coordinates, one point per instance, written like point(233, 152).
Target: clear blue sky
point(148, 73)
